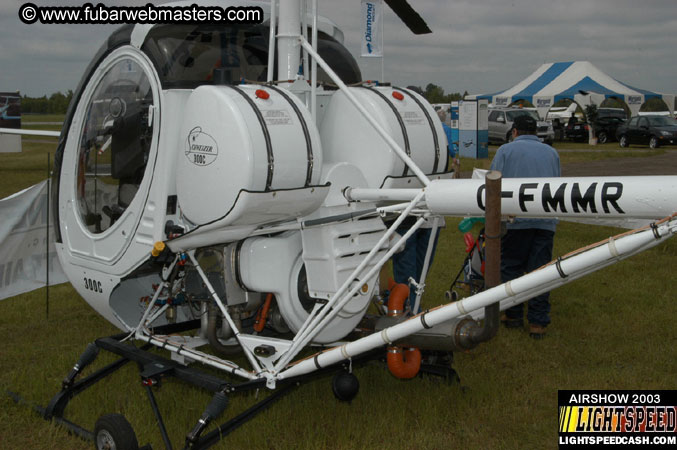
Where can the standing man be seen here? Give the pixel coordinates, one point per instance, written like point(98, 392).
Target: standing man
point(452, 147)
point(409, 262)
point(527, 245)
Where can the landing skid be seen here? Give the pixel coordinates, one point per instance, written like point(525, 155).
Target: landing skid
point(153, 369)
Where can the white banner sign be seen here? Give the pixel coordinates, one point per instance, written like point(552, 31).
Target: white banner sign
point(372, 28)
point(10, 143)
point(23, 243)
point(468, 116)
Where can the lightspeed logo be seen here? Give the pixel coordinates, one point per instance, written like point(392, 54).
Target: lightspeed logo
point(642, 419)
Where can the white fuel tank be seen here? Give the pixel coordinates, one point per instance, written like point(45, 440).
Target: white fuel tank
point(243, 138)
point(406, 116)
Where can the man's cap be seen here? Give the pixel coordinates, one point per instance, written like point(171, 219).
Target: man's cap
point(525, 123)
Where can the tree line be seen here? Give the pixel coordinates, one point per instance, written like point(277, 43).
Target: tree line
point(56, 103)
point(435, 94)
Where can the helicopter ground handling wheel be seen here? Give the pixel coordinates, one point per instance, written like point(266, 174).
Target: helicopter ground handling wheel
point(114, 432)
point(451, 295)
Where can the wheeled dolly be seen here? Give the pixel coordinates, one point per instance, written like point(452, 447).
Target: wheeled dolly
point(113, 431)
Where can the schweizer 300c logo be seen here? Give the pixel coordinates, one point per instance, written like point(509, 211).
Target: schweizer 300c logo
point(201, 148)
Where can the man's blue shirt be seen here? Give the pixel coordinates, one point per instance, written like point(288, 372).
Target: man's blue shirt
point(527, 157)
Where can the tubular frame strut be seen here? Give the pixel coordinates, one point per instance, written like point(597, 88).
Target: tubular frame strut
point(585, 261)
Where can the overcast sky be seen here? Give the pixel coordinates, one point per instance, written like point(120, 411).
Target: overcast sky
point(479, 46)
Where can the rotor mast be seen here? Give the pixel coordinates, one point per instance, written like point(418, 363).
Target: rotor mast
point(288, 48)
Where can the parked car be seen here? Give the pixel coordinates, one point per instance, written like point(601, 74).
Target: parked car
point(577, 131)
point(608, 120)
point(612, 112)
point(501, 120)
point(605, 129)
point(653, 131)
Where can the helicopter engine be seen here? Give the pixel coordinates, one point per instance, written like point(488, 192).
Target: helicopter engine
point(302, 268)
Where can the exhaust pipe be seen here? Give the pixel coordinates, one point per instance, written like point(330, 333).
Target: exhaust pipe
point(492, 258)
point(464, 333)
point(451, 336)
point(213, 316)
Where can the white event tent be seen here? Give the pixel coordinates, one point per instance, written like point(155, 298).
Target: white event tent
point(579, 81)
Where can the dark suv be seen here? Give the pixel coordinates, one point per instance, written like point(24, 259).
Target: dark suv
point(605, 128)
point(608, 120)
point(652, 130)
point(576, 131)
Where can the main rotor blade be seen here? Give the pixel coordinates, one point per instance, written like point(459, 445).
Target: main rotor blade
point(409, 16)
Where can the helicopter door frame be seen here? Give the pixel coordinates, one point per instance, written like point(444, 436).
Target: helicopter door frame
point(108, 246)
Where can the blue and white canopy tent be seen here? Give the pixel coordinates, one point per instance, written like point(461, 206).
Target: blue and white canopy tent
point(579, 81)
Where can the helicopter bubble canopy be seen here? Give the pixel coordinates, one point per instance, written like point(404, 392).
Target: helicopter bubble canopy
point(114, 145)
point(105, 171)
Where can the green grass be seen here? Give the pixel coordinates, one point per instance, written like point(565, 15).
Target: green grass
point(611, 330)
point(29, 121)
point(44, 127)
point(583, 152)
point(27, 118)
point(21, 170)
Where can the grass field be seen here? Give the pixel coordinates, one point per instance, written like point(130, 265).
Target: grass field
point(612, 330)
point(574, 152)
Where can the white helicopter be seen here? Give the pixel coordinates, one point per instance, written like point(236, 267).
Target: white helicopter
point(236, 178)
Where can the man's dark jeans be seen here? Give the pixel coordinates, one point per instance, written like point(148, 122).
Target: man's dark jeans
point(409, 262)
point(521, 252)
